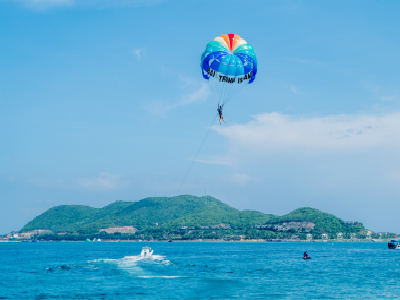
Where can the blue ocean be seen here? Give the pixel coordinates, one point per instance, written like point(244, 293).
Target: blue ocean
point(199, 270)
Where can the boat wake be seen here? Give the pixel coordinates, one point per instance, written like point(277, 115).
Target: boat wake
point(133, 260)
point(140, 266)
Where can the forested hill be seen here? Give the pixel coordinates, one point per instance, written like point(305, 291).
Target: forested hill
point(172, 213)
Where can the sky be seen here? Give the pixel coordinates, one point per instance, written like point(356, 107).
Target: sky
point(104, 100)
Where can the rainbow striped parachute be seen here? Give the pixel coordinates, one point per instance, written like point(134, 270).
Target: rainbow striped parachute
point(228, 63)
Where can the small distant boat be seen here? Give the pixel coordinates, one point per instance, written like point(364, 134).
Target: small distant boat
point(146, 252)
point(170, 241)
point(394, 244)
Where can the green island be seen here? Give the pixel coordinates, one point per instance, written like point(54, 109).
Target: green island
point(188, 217)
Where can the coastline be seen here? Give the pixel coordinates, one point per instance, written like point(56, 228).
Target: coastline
point(205, 241)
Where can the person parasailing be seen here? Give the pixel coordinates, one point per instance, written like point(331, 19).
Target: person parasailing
point(220, 110)
point(228, 64)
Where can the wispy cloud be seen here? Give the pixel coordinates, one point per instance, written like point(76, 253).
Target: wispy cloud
point(325, 65)
point(48, 4)
point(384, 94)
point(159, 107)
point(388, 98)
point(198, 95)
point(275, 131)
point(45, 4)
point(138, 53)
point(308, 61)
point(373, 88)
point(240, 179)
point(218, 160)
point(47, 183)
point(105, 181)
point(294, 90)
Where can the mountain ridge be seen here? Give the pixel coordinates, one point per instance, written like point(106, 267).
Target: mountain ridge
point(174, 212)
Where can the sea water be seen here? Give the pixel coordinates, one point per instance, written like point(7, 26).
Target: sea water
point(199, 270)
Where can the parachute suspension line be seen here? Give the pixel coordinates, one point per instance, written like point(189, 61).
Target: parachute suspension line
point(198, 151)
point(234, 93)
point(224, 92)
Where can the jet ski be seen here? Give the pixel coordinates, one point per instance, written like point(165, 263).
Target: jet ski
point(307, 257)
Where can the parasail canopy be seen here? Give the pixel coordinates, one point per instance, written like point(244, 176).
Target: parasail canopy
point(229, 64)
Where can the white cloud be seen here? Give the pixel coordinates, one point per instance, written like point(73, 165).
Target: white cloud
point(199, 95)
point(274, 131)
point(105, 181)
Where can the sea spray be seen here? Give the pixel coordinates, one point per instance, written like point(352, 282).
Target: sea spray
point(137, 265)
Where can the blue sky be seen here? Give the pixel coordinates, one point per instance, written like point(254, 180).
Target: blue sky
point(104, 100)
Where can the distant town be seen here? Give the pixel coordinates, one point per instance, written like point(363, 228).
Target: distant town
point(286, 231)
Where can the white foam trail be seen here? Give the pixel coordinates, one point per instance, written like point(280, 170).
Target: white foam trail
point(132, 259)
point(151, 276)
point(131, 263)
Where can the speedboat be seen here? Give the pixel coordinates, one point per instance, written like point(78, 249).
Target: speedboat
point(146, 252)
point(394, 244)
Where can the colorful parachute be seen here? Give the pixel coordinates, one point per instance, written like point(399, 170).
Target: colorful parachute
point(228, 63)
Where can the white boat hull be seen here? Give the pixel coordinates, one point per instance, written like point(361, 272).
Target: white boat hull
point(146, 252)
point(394, 247)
